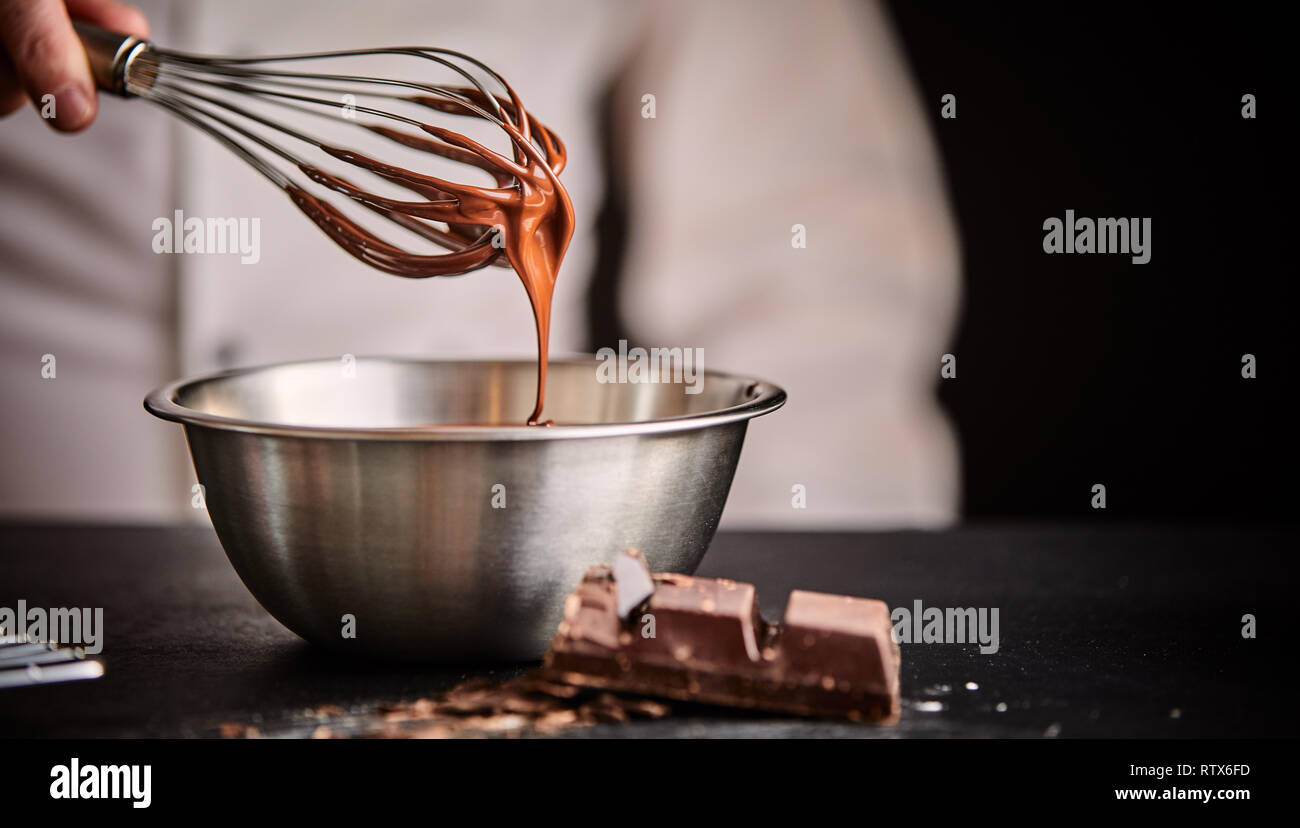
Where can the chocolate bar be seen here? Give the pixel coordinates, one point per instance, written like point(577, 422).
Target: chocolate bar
point(703, 640)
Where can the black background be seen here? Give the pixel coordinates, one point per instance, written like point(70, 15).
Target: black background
point(1075, 370)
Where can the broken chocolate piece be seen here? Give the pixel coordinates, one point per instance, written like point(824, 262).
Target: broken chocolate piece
point(706, 642)
point(632, 582)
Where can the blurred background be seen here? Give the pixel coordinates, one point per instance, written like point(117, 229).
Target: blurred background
point(924, 238)
point(1082, 369)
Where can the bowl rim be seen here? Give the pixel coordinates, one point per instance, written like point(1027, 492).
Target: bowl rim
point(765, 397)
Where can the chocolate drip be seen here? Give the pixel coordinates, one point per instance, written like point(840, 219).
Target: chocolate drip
point(527, 215)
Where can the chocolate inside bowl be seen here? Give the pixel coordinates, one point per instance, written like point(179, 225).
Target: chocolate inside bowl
point(401, 508)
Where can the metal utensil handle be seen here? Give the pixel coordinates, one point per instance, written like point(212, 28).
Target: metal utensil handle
point(110, 54)
point(50, 674)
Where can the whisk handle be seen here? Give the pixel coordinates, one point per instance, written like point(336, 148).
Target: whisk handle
point(110, 55)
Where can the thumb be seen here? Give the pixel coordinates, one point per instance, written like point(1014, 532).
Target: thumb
point(49, 60)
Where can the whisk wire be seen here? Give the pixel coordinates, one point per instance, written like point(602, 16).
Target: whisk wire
point(227, 98)
point(232, 65)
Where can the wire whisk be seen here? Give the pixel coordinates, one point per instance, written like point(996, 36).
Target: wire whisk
point(300, 129)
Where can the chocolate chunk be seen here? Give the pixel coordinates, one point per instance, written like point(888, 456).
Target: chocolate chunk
point(706, 642)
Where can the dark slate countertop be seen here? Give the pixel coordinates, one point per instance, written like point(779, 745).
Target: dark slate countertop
point(1116, 630)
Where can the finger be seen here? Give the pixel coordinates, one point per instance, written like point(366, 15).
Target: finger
point(111, 15)
point(49, 60)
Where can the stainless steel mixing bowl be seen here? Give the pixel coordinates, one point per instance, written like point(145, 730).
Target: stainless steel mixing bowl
point(373, 490)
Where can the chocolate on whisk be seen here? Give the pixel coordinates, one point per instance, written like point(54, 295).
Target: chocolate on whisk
point(270, 110)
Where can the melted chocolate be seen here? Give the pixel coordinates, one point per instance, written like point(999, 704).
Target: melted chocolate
point(527, 216)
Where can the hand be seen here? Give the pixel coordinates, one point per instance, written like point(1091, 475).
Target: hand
point(41, 55)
